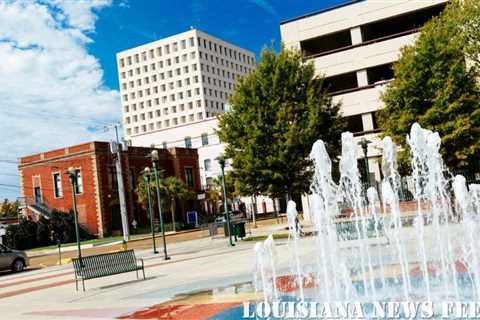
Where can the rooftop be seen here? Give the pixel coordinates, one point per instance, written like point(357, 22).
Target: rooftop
point(341, 5)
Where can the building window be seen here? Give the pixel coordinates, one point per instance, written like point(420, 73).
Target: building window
point(401, 23)
point(57, 185)
point(209, 182)
point(188, 142)
point(341, 82)
point(204, 139)
point(380, 73)
point(207, 164)
point(189, 177)
point(112, 178)
point(355, 123)
point(79, 184)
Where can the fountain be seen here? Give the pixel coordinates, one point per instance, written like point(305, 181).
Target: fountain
point(430, 254)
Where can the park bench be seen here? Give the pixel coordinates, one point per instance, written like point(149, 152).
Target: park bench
point(107, 264)
point(347, 228)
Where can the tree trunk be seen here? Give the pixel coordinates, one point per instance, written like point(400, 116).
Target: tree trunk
point(275, 208)
point(254, 216)
point(172, 208)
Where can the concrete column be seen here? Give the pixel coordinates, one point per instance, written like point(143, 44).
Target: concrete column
point(374, 165)
point(356, 34)
point(362, 78)
point(367, 121)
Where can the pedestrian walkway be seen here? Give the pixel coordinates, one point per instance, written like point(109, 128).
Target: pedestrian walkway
point(195, 265)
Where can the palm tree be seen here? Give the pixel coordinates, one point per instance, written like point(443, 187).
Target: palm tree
point(213, 196)
point(141, 191)
point(230, 186)
point(174, 189)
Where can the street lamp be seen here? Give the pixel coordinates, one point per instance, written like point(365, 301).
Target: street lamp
point(72, 173)
point(364, 144)
point(221, 161)
point(147, 173)
point(155, 158)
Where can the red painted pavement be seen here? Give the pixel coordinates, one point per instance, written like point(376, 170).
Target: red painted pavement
point(31, 289)
point(14, 283)
point(184, 312)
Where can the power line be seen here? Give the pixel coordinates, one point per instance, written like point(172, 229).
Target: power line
point(9, 174)
point(48, 115)
point(13, 186)
point(9, 161)
point(9, 185)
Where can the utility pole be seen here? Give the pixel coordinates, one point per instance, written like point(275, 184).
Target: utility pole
point(155, 162)
point(146, 175)
point(117, 149)
point(364, 144)
point(71, 172)
point(221, 160)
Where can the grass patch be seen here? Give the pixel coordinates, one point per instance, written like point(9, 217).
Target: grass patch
point(276, 236)
point(94, 242)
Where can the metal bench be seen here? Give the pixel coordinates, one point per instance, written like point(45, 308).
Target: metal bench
point(347, 228)
point(107, 264)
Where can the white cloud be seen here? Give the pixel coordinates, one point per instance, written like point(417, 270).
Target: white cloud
point(80, 13)
point(51, 88)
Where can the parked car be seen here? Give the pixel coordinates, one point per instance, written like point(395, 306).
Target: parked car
point(14, 260)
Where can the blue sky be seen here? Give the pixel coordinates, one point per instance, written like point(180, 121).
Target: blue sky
point(58, 76)
point(251, 24)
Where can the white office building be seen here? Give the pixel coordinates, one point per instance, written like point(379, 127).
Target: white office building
point(173, 89)
point(178, 80)
point(354, 46)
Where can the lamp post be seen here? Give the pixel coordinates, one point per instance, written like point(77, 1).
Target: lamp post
point(72, 173)
point(364, 144)
point(221, 161)
point(146, 176)
point(155, 158)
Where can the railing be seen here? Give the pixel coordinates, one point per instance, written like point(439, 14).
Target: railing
point(361, 133)
point(352, 229)
point(40, 206)
point(406, 189)
point(349, 90)
point(365, 43)
point(469, 177)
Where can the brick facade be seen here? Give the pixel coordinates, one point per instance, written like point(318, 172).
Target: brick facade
point(98, 204)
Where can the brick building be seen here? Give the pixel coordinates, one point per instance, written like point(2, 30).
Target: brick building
point(45, 186)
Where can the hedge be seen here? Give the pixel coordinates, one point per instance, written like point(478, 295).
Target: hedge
point(30, 234)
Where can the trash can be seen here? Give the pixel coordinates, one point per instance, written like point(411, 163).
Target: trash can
point(225, 229)
point(240, 229)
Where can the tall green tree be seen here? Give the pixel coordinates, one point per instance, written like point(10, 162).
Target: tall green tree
point(467, 13)
point(277, 112)
point(141, 190)
point(435, 87)
point(213, 196)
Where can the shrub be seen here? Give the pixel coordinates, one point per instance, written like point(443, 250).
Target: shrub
point(29, 234)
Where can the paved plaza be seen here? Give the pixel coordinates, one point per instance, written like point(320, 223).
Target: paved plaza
point(205, 278)
point(196, 265)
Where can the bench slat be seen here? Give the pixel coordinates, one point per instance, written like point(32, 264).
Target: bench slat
point(106, 264)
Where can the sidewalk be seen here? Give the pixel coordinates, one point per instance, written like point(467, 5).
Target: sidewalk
point(50, 257)
point(196, 264)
